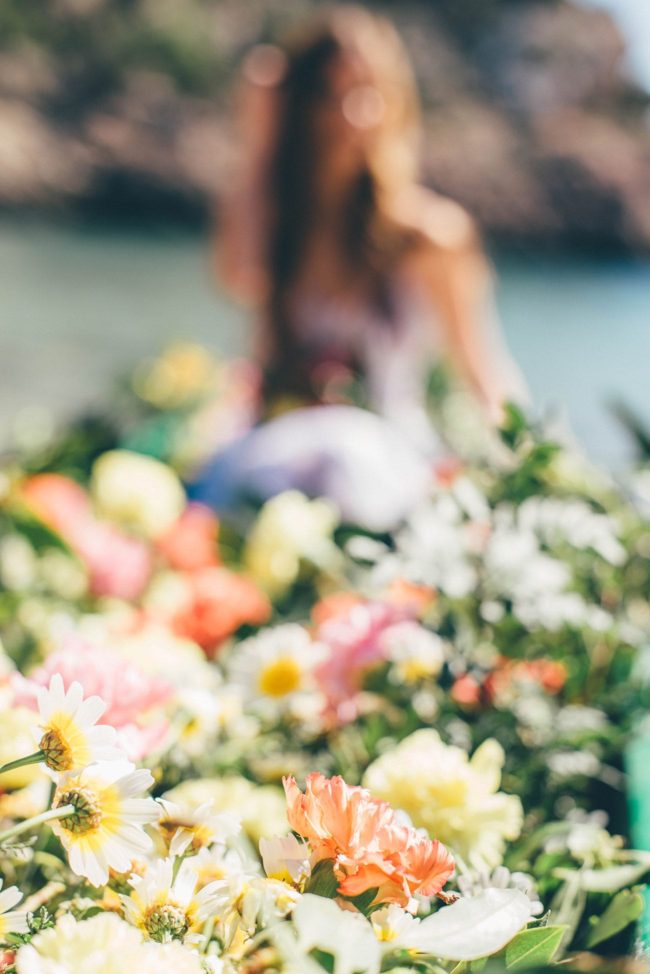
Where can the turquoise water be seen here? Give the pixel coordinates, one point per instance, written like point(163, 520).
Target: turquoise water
point(78, 306)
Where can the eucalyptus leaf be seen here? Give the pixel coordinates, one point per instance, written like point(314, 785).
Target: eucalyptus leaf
point(625, 908)
point(535, 947)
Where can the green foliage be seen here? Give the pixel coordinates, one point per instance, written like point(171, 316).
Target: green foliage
point(624, 909)
point(534, 947)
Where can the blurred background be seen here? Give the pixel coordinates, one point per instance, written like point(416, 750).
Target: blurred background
point(115, 134)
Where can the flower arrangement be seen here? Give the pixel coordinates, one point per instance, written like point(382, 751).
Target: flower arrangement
point(290, 744)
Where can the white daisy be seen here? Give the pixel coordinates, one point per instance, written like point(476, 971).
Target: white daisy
point(104, 944)
point(11, 921)
point(285, 858)
point(248, 903)
point(199, 827)
point(71, 738)
point(106, 830)
point(168, 908)
point(416, 653)
point(275, 670)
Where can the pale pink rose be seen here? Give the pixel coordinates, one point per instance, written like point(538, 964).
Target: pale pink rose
point(134, 700)
point(118, 565)
point(355, 640)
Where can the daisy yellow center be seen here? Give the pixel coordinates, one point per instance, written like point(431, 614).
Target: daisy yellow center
point(64, 743)
point(415, 669)
point(56, 750)
point(280, 677)
point(87, 815)
point(166, 921)
point(385, 934)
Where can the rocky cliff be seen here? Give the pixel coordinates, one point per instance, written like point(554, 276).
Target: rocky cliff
point(120, 107)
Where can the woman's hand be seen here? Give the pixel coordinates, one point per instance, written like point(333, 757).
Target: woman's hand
point(451, 263)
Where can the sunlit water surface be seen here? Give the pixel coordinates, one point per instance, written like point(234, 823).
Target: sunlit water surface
point(79, 306)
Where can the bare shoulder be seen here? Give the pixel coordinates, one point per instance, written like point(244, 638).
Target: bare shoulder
point(439, 225)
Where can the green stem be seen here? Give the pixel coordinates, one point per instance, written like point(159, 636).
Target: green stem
point(22, 762)
point(30, 823)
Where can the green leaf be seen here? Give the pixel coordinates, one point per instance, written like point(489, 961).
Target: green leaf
point(534, 947)
point(625, 908)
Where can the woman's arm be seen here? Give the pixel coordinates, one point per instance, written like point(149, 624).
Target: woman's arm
point(458, 277)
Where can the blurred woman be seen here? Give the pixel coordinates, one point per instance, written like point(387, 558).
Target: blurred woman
point(361, 279)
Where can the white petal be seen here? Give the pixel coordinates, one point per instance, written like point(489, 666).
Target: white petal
point(135, 783)
point(73, 698)
point(474, 927)
point(9, 897)
point(16, 922)
point(140, 810)
point(90, 710)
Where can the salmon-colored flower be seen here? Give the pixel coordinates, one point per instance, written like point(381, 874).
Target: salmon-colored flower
point(466, 691)
point(334, 606)
point(57, 500)
point(411, 596)
point(368, 845)
point(215, 603)
point(191, 542)
point(509, 675)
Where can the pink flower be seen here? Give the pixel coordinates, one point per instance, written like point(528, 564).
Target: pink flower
point(355, 640)
point(367, 844)
point(134, 700)
point(118, 565)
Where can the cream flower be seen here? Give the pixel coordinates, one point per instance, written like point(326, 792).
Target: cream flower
point(106, 830)
point(275, 670)
point(101, 945)
point(18, 726)
point(11, 921)
point(71, 740)
point(167, 907)
point(290, 529)
point(136, 491)
point(104, 944)
point(454, 797)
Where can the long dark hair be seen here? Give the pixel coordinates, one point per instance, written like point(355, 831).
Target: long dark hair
point(370, 241)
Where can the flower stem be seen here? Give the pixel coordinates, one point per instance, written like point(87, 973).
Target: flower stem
point(35, 758)
point(30, 823)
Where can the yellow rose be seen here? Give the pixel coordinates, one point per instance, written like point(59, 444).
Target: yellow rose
point(136, 491)
point(454, 797)
point(290, 529)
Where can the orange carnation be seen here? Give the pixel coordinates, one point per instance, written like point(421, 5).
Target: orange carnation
point(368, 846)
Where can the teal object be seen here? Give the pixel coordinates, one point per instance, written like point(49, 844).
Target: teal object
point(637, 763)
